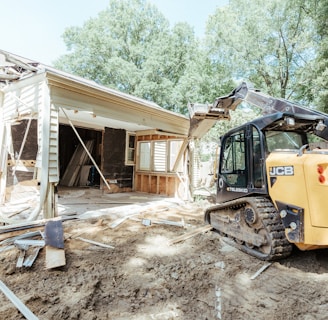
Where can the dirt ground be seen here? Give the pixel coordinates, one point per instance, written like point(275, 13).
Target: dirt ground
point(144, 277)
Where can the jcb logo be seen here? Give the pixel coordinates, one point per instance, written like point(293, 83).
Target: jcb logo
point(281, 171)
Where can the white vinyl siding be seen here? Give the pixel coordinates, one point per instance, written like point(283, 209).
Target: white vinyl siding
point(24, 101)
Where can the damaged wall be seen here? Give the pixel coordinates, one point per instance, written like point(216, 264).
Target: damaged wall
point(52, 98)
point(24, 169)
point(119, 176)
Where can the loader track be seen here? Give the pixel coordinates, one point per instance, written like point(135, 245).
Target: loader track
point(254, 225)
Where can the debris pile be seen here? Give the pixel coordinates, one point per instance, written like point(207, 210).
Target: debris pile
point(13, 68)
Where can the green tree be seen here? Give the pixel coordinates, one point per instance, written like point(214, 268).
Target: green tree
point(130, 47)
point(240, 116)
point(266, 42)
point(319, 89)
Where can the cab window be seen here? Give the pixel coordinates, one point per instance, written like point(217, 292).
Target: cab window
point(233, 160)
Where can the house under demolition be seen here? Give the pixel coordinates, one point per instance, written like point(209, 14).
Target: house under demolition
point(62, 130)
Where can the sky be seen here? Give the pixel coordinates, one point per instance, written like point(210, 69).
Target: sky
point(33, 28)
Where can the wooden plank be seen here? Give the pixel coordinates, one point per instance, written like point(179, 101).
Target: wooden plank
point(28, 242)
point(160, 221)
point(191, 234)
point(20, 259)
point(95, 243)
point(21, 163)
point(28, 314)
point(55, 257)
point(257, 273)
point(84, 175)
point(119, 221)
point(54, 239)
point(19, 234)
point(9, 247)
point(29, 225)
point(31, 258)
point(79, 158)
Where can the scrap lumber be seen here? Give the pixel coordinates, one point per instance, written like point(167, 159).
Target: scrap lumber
point(80, 157)
point(95, 243)
point(29, 225)
point(55, 257)
point(28, 242)
point(31, 258)
point(54, 240)
point(16, 235)
point(190, 234)
point(258, 272)
point(84, 175)
point(20, 260)
point(28, 314)
point(119, 221)
point(23, 245)
point(148, 222)
point(169, 222)
point(6, 248)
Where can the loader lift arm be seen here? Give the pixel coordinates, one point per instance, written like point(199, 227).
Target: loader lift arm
point(270, 105)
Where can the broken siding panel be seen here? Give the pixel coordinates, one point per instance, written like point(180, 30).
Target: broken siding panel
point(20, 102)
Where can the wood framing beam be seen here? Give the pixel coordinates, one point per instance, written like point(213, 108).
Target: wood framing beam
point(28, 314)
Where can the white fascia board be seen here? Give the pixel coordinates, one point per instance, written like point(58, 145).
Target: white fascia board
point(102, 101)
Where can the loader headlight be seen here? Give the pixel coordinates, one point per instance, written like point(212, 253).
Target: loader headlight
point(320, 126)
point(290, 121)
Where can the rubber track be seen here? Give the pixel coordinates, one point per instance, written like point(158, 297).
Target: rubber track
point(271, 221)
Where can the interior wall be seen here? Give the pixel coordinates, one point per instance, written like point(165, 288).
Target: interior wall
point(118, 175)
point(25, 167)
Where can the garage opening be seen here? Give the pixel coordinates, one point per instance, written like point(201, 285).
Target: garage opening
point(76, 168)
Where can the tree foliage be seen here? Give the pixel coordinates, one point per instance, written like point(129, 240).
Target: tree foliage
point(319, 76)
point(280, 46)
point(131, 47)
point(265, 42)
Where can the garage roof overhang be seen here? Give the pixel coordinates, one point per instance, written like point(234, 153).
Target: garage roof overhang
point(86, 103)
point(91, 105)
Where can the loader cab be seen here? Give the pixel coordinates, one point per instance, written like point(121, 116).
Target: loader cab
point(244, 150)
point(242, 163)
